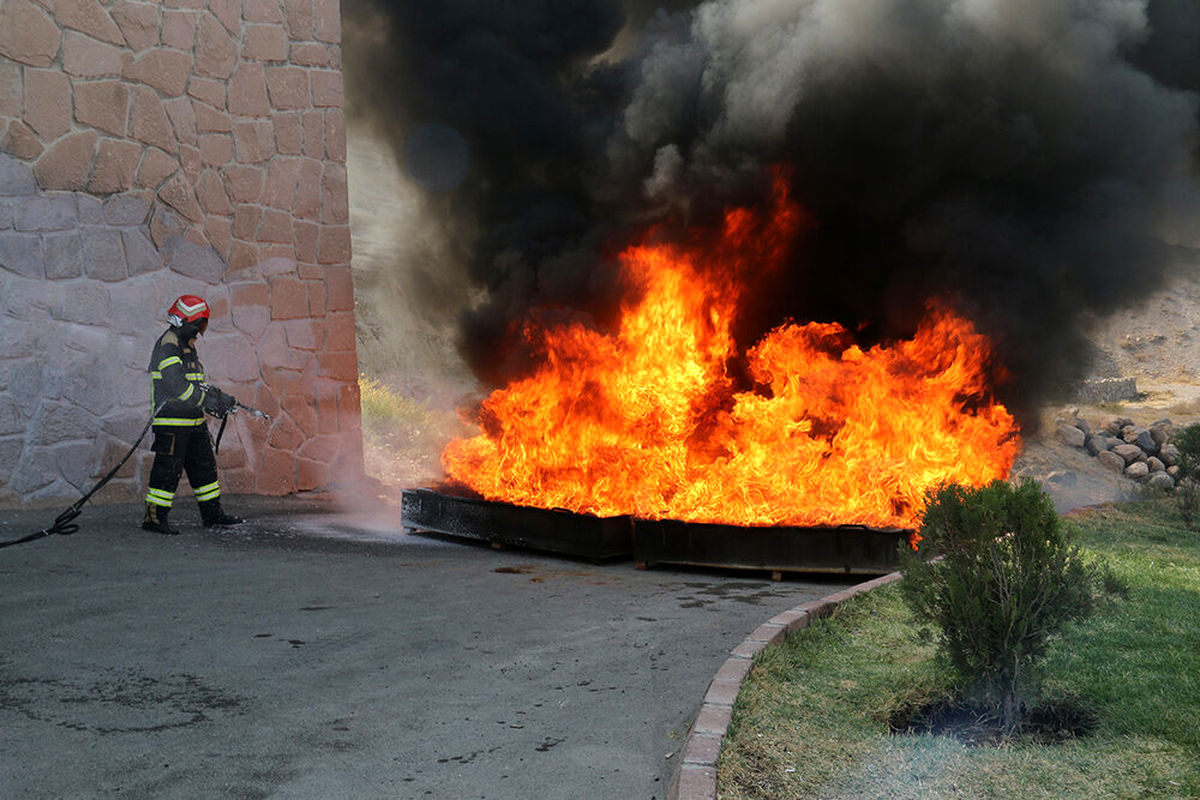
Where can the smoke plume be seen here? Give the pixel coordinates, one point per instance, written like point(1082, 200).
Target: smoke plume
point(1035, 161)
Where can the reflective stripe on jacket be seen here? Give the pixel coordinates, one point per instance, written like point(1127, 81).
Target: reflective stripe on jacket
point(176, 374)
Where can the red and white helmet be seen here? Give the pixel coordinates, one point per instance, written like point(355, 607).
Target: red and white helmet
point(188, 308)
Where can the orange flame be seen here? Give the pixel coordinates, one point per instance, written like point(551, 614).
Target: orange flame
point(645, 420)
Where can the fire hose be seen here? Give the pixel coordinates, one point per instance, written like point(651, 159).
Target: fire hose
point(64, 524)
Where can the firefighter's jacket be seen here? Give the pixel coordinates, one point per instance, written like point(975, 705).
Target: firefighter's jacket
point(176, 374)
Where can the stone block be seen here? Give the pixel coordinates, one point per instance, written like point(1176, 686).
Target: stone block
point(84, 57)
point(308, 193)
point(244, 183)
point(327, 21)
point(265, 43)
point(90, 17)
point(218, 229)
point(229, 12)
point(155, 167)
point(314, 54)
point(140, 253)
point(288, 88)
point(298, 19)
point(334, 245)
point(282, 177)
point(247, 96)
point(165, 227)
point(246, 219)
point(210, 120)
point(339, 289)
point(335, 135)
point(276, 472)
point(326, 87)
point(35, 470)
point(183, 119)
point(177, 193)
point(148, 121)
point(21, 141)
point(103, 254)
point(46, 212)
point(289, 298)
point(179, 30)
point(285, 434)
point(56, 422)
point(288, 137)
point(335, 203)
point(216, 149)
point(304, 237)
point(16, 179)
point(316, 299)
point(278, 260)
point(196, 261)
point(47, 102)
point(262, 11)
point(254, 141)
point(68, 164)
point(103, 105)
point(313, 134)
point(10, 89)
point(209, 92)
point(28, 35)
point(339, 331)
point(90, 209)
point(216, 50)
point(242, 255)
point(138, 23)
point(276, 227)
point(127, 209)
point(311, 474)
point(22, 253)
point(340, 366)
point(302, 408)
point(210, 191)
point(64, 255)
point(302, 334)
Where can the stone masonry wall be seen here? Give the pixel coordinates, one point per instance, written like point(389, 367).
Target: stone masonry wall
point(152, 149)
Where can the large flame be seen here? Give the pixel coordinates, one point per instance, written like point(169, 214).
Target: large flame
point(645, 420)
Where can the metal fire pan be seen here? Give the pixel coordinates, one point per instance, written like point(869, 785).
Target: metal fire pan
point(853, 549)
point(505, 524)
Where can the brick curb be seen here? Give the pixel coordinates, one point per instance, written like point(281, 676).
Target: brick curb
point(696, 778)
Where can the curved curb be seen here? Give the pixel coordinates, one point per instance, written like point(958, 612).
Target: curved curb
point(697, 775)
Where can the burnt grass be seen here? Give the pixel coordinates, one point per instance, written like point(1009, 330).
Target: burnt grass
point(979, 725)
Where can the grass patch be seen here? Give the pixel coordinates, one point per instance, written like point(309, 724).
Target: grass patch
point(812, 718)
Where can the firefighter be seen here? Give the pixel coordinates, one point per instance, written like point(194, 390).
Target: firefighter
point(181, 437)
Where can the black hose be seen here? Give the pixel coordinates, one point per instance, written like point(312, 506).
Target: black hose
point(63, 524)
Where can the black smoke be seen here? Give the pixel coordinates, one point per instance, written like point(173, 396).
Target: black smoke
point(1032, 160)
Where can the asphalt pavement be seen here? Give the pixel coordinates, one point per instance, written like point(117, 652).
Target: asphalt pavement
point(319, 652)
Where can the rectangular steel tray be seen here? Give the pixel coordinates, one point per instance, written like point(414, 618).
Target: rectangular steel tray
point(505, 524)
point(846, 549)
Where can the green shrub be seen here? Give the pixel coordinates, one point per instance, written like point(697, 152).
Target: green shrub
point(996, 574)
point(1187, 493)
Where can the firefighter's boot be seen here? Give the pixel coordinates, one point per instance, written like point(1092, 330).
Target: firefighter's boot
point(214, 517)
point(155, 520)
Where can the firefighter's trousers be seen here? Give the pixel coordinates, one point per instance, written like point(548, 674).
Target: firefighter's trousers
point(177, 449)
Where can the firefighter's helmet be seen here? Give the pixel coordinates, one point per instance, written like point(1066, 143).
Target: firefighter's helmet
point(188, 309)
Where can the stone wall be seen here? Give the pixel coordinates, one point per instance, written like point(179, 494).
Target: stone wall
point(151, 149)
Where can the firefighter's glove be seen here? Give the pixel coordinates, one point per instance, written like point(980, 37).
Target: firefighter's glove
point(218, 403)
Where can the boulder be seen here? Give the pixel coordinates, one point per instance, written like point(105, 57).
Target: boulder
point(1161, 481)
point(1070, 435)
point(1137, 470)
point(1155, 465)
point(1111, 460)
point(1169, 453)
point(1130, 452)
point(1145, 440)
